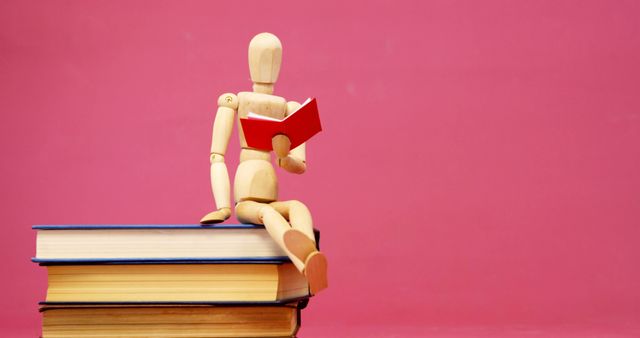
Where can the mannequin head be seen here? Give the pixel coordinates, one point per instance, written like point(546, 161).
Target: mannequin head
point(265, 57)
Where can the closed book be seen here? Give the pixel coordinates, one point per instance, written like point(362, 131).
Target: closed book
point(155, 243)
point(171, 320)
point(139, 283)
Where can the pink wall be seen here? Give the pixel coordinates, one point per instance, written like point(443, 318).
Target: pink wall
point(480, 163)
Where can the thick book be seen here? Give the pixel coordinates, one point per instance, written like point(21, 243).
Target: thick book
point(299, 126)
point(116, 244)
point(171, 320)
point(162, 283)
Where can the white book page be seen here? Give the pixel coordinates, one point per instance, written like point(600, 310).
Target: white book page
point(255, 116)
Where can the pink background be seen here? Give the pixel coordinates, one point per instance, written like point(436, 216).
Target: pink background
point(478, 175)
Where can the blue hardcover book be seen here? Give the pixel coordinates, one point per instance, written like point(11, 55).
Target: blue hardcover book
point(139, 244)
point(174, 283)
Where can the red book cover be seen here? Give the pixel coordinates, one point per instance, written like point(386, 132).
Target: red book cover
point(300, 126)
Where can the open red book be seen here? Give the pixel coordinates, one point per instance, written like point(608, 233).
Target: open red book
point(300, 126)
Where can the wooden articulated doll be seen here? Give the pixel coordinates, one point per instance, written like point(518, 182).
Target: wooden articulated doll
point(255, 186)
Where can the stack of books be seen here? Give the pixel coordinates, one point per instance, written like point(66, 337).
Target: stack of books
point(167, 281)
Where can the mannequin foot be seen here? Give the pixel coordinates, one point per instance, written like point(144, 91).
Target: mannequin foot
point(217, 216)
point(315, 269)
point(299, 244)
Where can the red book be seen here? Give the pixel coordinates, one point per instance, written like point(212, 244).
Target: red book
point(300, 126)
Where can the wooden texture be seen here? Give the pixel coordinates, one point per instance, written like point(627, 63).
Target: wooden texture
point(315, 263)
point(295, 162)
point(316, 272)
point(255, 180)
point(274, 222)
point(255, 184)
point(299, 244)
point(281, 145)
point(265, 57)
point(258, 103)
point(298, 153)
point(220, 186)
point(297, 214)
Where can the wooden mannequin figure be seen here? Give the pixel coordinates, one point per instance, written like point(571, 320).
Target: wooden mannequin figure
point(255, 186)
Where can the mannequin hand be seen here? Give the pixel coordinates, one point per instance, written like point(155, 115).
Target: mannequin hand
point(292, 164)
point(281, 145)
point(217, 216)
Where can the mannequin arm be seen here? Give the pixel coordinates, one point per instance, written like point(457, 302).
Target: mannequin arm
point(293, 161)
point(222, 127)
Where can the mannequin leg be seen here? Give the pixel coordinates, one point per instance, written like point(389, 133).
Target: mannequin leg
point(298, 243)
point(301, 242)
point(276, 224)
point(297, 214)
